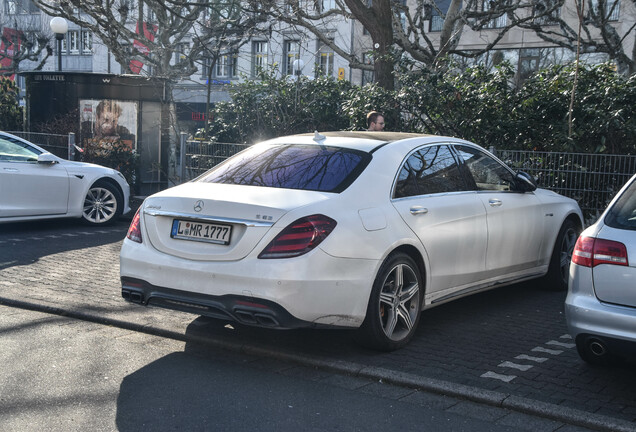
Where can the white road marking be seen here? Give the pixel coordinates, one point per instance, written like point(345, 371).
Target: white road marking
point(534, 359)
point(512, 365)
point(547, 351)
point(504, 378)
point(560, 344)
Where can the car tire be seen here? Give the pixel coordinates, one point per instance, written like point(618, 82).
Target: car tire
point(103, 204)
point(559, 268)
point(394, 305)
point(593, 351)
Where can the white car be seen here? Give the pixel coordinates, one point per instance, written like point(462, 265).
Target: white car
point(35, 184)
point(601, 304)
point(346, 229)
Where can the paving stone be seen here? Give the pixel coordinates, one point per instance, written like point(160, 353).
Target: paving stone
point(456, 342)
point(478, 411)
point(526, 422)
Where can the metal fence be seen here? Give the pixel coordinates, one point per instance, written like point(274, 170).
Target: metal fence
point(53, 143)
point(200, 156)
point(591, 179)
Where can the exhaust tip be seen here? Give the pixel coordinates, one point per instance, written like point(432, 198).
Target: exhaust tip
point(132, 296)
point(597, 347)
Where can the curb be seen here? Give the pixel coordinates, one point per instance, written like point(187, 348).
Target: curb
point(487, 397)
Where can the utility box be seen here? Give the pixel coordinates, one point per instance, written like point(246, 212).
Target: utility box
point(133, 109)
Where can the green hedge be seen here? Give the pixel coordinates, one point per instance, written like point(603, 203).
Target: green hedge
point(476, 104)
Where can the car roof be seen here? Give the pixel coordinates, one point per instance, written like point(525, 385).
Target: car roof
point(359, 140)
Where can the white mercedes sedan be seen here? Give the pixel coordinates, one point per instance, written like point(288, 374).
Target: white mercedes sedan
point(346, 230)
point(35, 184)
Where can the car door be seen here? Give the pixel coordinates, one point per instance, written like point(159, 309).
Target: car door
point(29, 188)
point(432, 198)
point(515, 222)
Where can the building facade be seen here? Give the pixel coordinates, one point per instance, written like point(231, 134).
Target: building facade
point(290, 50)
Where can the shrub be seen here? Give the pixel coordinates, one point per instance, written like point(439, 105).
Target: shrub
point(113, 154)
point(270, 107)
point(10, 109)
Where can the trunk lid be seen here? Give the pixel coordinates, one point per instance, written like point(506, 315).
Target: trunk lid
point(613, 283)
point(218, 222)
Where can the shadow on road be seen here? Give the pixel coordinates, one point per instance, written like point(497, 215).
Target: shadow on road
point(25, 243)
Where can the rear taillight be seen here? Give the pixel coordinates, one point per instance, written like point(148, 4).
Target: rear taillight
point(134, 232)
point(300, 237)
point(590, 252)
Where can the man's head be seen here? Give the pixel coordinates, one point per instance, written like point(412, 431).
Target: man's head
point(107, 118)
point(375, 121)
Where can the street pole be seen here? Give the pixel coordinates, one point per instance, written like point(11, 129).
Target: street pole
point(59, 38)
point(59, 26)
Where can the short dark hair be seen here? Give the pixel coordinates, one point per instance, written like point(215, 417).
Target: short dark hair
point(372, 117)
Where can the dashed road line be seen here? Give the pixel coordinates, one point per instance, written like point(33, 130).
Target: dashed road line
point(494, 375)
point(560, 344)
point(547, 351)
point(512, 365)
point(525, 357)
point(531, 358)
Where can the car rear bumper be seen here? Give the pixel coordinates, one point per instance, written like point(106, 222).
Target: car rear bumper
point(317, 290)
point(587, 315)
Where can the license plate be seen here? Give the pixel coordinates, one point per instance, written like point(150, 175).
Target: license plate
point(201, 231)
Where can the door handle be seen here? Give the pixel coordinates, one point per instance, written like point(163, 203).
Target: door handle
point(11, 169)
point(418, 210)
point(494, 202)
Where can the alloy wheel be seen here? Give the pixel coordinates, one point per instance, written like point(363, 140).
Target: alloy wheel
point(399, 302)
point(100, 205)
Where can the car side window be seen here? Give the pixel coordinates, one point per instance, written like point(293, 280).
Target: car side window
point(429, 170)
point(16, 151)
point(488, 173)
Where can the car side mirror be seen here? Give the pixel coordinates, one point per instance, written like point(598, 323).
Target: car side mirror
point(47, 159)
point(526, 182)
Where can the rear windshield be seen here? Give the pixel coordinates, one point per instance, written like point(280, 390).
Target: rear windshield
point(623, 213)
point(306, 167)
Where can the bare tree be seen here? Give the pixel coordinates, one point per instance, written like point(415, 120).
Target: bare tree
point(153, 32)
point(431, 30)
point(23, 40)
point(600, 31)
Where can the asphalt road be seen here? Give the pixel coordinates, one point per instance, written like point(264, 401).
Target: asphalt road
point(508, 347)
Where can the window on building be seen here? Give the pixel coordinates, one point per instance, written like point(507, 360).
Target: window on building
point(64, 45)
point(612, 9)
point(529, 59)
point(326, 5)
point(436, 14)
point(259, 56)
point(541, 7)
point(437, 22)
point(325, 60)
point(182, 52)
point(368, 76)
point(402, 13)
point(11, 7)
point(87, 42)
point(226, 65)
point(291, 52)
point(73, 42)
point(497, 22)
